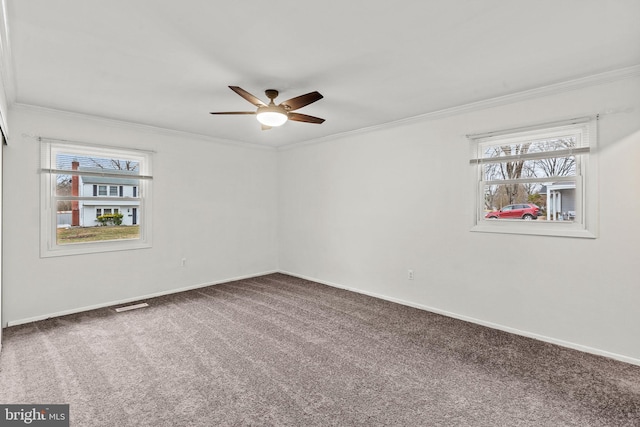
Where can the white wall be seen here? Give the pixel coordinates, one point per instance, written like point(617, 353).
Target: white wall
point(214, 204)
point(360, 210)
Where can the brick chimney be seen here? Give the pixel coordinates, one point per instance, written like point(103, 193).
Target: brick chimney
point(75, 186)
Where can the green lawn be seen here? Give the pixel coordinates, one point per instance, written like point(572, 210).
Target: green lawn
point(94, 234)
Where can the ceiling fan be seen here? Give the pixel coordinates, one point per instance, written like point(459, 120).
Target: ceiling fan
point(273, 115)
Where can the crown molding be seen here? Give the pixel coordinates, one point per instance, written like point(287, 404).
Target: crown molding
point(140, 127)
point(552, 89)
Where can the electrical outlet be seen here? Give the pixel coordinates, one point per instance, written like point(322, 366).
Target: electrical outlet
point(183, 262)
point(410, 274)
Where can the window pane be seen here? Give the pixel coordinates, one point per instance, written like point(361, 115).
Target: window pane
point(70, 161)
point(77, 224)
point(556, 201)
point(564, 165)
point(93, 166)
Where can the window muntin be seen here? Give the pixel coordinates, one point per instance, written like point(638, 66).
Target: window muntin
point(80, 184)
point(546, 167)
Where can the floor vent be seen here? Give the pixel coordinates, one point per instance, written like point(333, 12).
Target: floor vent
point(131, 307)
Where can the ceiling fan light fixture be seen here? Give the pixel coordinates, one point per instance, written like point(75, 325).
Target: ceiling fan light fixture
point(272, 117)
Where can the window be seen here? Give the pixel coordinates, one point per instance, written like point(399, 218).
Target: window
point(83, 180)
point(537, 180)
point(105, 211)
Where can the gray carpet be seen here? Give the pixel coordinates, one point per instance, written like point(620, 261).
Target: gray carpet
point(278, 350)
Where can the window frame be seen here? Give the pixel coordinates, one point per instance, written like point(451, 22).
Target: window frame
point(49, 148)
point(584, 224)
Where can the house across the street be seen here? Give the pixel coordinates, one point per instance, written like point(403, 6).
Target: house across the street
point(112, 195)
point(561, 200)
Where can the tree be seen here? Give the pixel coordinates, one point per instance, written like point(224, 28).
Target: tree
point(506, 194)
point(63, 188)
point(555, 166)
point(115, 164)
point(536, 199)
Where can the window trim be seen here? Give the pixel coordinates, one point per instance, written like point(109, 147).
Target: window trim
point(48, 220)
point(586, 178)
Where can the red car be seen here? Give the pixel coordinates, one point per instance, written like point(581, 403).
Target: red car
point(527, 211)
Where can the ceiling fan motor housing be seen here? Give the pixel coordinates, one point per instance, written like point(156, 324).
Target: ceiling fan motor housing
point(271, 94)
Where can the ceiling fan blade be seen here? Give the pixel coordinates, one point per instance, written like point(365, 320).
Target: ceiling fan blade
point(265, 127)
point(236, 112)
point(301, 101)
point(304, 118)
point(246, 95)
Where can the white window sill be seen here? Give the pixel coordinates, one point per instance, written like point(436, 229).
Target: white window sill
point(92, 248)
point(549, 228)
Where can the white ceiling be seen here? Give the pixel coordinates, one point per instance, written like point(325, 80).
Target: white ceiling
point(168, 63)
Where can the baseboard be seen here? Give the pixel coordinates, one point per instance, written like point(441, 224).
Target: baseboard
point(492, 325)
point(137, 298)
